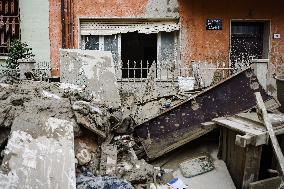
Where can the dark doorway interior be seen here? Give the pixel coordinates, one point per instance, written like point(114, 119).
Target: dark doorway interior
point(137, 48)
point(247, 41)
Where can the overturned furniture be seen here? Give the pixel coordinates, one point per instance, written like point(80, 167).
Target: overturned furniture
point(249, 160)
point(191, 119)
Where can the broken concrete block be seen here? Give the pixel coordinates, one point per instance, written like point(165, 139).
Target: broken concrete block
point(85, 122)
point(196, 166)
point(81, 106)
point(83, 157)
point(140, 172)
point(95, 69)
point(40, 156)
point(108, 159)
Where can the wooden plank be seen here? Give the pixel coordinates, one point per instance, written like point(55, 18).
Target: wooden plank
point(224, 144)
point(239, 126)
point(274, 141)
point(252, 165)
point(271, 183)
point(235, 158)
point(173, 127)
point(258, 135)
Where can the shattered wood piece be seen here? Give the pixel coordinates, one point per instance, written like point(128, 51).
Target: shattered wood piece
point(183, 123)
point(40, 156)
point(108, 159)
point(267, 123)
point(86, 123)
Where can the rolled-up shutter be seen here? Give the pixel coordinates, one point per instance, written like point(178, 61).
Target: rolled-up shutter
point(110, 27)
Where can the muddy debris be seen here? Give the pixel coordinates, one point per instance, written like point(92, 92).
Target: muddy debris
point(106, 152)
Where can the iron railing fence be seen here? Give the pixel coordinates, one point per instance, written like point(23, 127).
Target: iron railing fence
point(139, 71)
point(41, 71)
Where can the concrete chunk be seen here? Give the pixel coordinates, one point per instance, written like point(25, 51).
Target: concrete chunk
point(43, 159)
point(95, 70)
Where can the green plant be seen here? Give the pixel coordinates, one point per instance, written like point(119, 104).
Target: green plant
point(18, 50)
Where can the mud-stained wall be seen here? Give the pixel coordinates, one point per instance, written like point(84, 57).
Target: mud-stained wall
point(105, 9)
point(214, 45)
point(196, 42)
point(202, 44)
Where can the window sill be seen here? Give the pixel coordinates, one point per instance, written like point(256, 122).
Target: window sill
point(3, 57)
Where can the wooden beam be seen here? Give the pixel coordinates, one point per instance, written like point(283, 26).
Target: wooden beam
point(277, 150)
point(252, 165)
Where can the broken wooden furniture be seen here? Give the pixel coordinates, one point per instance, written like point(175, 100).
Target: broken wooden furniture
point(184, 122)
point(243, 147)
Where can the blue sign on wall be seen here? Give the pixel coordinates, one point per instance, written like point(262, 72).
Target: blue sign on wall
point(213, 24)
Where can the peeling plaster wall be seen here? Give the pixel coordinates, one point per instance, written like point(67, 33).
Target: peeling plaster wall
point(105, 9)
point(201, 44)
point(35, 27)
point(215, 44)
point(196, 42)
point(157, 9)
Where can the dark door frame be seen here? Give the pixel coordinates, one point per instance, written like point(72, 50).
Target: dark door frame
point(267, 35)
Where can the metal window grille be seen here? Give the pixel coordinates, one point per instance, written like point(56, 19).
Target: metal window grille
point(9, 24)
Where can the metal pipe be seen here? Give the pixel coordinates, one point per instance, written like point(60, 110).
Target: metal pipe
point(63, 23)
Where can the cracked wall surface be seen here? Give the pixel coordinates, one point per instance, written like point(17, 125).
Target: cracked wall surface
point(202, 44)
point(196, 42)
point(161, 9)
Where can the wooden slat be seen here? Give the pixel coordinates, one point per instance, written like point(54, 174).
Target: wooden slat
point(274, 141)
point(271, 183)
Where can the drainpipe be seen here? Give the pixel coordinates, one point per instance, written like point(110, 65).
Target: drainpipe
point(63, 23)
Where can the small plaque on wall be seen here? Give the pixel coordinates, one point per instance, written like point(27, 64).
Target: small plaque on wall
point(213, 24)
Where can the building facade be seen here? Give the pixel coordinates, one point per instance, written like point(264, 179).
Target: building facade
point(167, 32)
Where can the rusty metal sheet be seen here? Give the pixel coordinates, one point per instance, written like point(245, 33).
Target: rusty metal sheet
point(183, 123)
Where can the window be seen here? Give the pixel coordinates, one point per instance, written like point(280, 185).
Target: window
point(9, 24)
point(134, 45)
point(138, 52)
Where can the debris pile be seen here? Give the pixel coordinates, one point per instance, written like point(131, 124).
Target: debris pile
point(105, 150)
point(67, 136)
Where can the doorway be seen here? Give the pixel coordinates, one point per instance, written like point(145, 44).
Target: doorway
point(138, 52)
point(249, 40)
